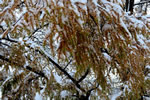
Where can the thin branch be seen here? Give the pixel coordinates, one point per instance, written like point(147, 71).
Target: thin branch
point(21, 4)
point(89, 91)
point(4, 44)
point(40, 73)
point(68, 64)
point(34, 32)
point(18, 20)
point(37, 29)
point(42, 52)
point(1, 27)
point(8, 39)
point(62, 70)
point(143, 2)
point(84, 76)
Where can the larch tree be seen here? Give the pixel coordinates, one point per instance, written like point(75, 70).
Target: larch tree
point(70, 49)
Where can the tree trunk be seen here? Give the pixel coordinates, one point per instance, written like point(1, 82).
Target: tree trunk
point(127, 5)
point(131, 6)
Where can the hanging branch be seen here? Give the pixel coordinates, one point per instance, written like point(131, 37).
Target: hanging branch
point(40, 73)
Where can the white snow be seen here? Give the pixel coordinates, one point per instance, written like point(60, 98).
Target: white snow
point(116, 94)
point(107, 56)
point(146, 98)
point(142, 42)
point(57, 78)
point(1, 1)
point(106, 27)
point(38, 96)
point(0, 94)
point(82, 1)
point(124, 26)
point(8, 78)
point(148, 66)
point(64, 93)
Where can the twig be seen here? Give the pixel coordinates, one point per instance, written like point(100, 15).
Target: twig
point(37, 30)
point(68, 64)
point(84, 76)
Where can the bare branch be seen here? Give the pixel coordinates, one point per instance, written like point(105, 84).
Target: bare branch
point(84, 76)
point(4, 44)
point(68, 64)
point(37, 30)
point(143, 2)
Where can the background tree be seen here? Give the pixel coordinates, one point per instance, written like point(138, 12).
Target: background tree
point(73, 50)
point(129, 5)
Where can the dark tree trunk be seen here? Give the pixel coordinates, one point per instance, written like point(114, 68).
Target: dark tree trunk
point(131, 6)
point(84, 98)
point(127, 5)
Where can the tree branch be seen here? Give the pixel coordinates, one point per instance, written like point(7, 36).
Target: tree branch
point(143, 2)
point(63, 70)
point(40, 73)
point(84, 76)
point(68, 64)
point(89, 91)
point(37, 30)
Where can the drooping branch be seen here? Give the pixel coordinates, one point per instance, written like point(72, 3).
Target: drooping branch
point(43, 53)
point(40, 73)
